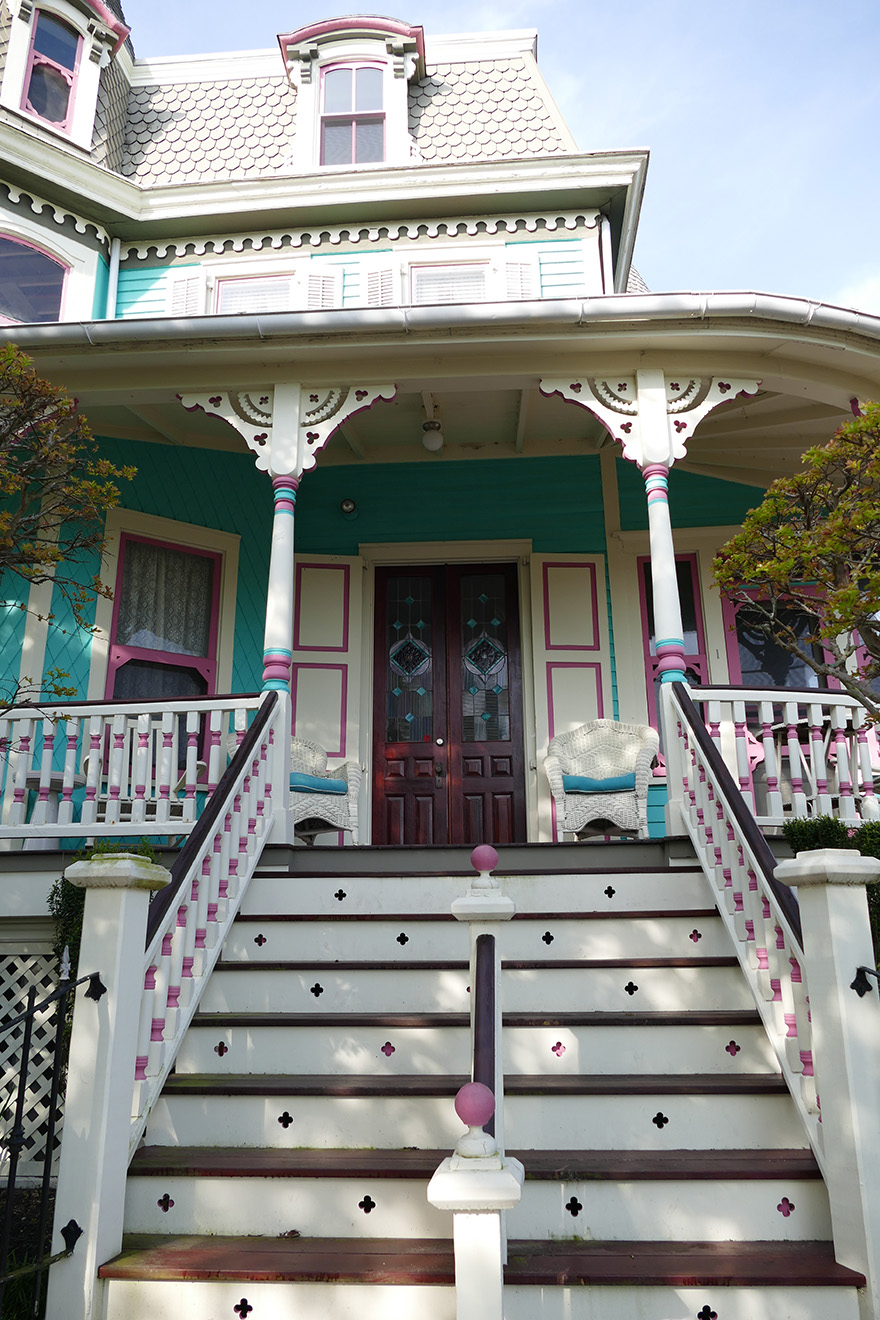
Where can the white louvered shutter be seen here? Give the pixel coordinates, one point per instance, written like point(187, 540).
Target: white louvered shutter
point(381, 288)
point(449, 284)
point(521, 282)
point(271, 294)
point(324, 289)
point(185, 294)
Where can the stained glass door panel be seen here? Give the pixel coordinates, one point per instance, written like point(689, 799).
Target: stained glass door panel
point(448, 750)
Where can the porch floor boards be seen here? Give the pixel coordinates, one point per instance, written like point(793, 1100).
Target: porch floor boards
point(429, 1261)
point(333, 1084)
point(540, 1165)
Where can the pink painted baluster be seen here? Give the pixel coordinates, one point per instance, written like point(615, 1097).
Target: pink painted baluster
point(159, 1016)
point(816, 721)
point(145, 1027)
point(869, 807)
point(165, 774)
point(192, 769)
point(42, 806)
point(201, 900)
point(117, 762)
point(65, 802)
point(743, 761)
point(216, 759)
point(93, 767)
point(845, 797)
point(767, 717)
point(795, 758)
point(22, 746)
point(141, 769)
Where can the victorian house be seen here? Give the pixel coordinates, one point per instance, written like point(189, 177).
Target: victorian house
point(426, 477)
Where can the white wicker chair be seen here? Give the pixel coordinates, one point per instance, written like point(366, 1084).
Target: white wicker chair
point(320, 813)
point(601, 750)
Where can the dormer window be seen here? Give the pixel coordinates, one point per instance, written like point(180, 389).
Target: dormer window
point(352, 118)
point(52, 69)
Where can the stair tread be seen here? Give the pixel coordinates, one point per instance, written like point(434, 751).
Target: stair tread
point(333, 1084)
point(697, 1017)
point(640, 914)
point(455, 965)
point(540, 1165)
point(429, 1261)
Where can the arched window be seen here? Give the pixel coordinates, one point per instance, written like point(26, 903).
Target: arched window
point(31, 284)
point(52, 68)
point(352, 115)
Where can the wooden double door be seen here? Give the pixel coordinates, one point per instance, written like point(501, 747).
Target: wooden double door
point(448, 744)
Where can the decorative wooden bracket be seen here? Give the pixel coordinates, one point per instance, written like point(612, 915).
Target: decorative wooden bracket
point(652, 413)
point(286, 426)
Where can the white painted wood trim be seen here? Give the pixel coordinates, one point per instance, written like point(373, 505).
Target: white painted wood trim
point(183, 534)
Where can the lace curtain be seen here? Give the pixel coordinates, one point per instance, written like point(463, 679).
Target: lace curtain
point(165, 600)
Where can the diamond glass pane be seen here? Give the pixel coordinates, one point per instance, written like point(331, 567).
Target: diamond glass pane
point(485, 695)
point(409, 685)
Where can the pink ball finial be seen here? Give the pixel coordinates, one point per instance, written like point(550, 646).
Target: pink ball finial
point(484, 858)
point(475, 1104)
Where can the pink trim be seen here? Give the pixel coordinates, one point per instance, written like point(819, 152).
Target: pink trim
point(572, 664)
point(205, 665)
point(334, 568)
point(594, 594)
point(71, 76)
point(356, 116)
point(343, 701)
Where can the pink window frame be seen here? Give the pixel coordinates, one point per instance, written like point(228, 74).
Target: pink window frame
point(50, 256)
point(354, 115)
point(119, 655)
point(697, 661)
point(729, 611)
point(72, 76)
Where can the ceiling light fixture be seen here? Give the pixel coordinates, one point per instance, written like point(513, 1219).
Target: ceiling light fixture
point(432, 436)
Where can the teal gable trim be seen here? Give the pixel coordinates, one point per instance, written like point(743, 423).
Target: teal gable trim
point(694, 501)
point(102, 284)
point(554, 502)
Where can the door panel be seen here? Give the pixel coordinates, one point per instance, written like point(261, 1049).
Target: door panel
point(448, 750)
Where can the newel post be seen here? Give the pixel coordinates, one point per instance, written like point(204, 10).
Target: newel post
point(846, 1047)
point(478, 1182)
point(100, 1076)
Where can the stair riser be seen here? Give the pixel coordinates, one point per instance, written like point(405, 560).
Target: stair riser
point(331, 1207)
point(393, 940)
point(530, 893)
point(616, 1122)
point(256, 990)
point(421, 1050)
point(327, 1301)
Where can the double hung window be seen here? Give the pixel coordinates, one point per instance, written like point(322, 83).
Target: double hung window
point(352, 115)
point(52, 68)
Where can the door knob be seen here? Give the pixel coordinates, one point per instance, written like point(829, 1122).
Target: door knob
point(439, 742)
point(438, 774)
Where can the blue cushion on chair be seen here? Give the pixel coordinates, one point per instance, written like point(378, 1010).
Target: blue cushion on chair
point(583, 784)
point(315, 784)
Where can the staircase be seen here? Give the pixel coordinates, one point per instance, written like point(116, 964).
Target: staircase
point(286, 1163)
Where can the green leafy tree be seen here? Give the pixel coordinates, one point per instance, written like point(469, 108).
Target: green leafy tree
point(55, 490)
point(806, 564)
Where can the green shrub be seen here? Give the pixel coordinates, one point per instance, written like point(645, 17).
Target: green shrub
point(66, 901)
point(829, 832)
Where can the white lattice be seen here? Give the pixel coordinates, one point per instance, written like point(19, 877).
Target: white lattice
point(18, 972)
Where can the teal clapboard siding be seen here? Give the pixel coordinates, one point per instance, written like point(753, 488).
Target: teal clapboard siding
point(102, 282)
point(657, 799)
point(554, 502)
point(144, 291)
point(694, 501)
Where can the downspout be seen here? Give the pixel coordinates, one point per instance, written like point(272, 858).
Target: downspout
point(113, 281)
point(605, 253)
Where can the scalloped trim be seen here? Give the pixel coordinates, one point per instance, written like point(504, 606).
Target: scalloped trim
point(387, 232)
point(38, 205)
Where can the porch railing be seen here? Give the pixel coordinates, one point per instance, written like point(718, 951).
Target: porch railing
point(795, 753)
point(118, 768)
point(761, 915)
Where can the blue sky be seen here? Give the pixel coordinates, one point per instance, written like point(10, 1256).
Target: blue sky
point(761, 117)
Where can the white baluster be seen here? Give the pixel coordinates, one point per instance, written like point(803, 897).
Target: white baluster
point(65, 804)
point(816, 720)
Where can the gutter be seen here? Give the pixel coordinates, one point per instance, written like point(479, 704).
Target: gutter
point(624, 310)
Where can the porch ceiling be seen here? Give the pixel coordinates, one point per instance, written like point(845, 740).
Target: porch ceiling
point(745, 440)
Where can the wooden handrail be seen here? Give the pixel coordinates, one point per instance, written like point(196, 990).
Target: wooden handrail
point(207, 821)
point(735, 803)
point(484, 1018)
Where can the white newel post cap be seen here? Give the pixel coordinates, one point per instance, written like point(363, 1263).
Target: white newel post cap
point(117, 871)
point(829, 866)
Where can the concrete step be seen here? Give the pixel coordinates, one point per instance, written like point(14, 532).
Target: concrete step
point(569, 1194)
point(267, 937)
point(625, 1112)
point(436, 986)
point(440, 1043)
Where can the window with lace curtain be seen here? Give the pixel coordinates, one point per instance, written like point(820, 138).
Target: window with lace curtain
point(164, 636)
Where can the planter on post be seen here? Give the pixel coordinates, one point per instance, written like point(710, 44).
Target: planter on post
point(846, 1047)
point(100, 1079)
